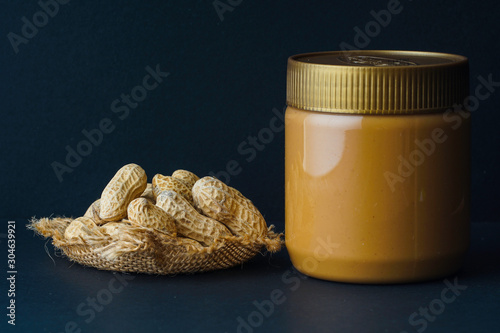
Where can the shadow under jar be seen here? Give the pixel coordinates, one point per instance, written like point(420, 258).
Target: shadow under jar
point(377, 170)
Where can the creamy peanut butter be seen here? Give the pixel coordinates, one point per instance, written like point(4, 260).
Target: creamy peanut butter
point(377, 193)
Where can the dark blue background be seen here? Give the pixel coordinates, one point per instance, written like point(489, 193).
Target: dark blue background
point(225, 79)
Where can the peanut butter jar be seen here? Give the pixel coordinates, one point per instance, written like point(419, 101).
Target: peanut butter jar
point(377, 170)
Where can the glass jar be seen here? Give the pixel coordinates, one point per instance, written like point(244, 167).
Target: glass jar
point(377, 170)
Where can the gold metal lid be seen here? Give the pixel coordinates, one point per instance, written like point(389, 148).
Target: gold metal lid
point(377, 82)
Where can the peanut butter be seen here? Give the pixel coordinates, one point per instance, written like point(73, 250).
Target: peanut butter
point(376, 187)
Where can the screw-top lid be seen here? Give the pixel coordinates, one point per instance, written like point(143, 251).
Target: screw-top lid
point(377, 82)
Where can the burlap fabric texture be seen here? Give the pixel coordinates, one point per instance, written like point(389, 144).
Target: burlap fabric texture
point(151, 251)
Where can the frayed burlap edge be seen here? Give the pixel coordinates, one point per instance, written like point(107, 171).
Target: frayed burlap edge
point(151, 251)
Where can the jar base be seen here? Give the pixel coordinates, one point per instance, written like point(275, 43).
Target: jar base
point(379, 271)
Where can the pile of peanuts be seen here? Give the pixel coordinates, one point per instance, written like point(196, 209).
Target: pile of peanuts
point(196, 211)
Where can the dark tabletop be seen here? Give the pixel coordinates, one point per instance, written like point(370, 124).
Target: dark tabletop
point(263, 295)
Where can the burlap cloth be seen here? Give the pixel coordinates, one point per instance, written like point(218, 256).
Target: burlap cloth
point(151, 251)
